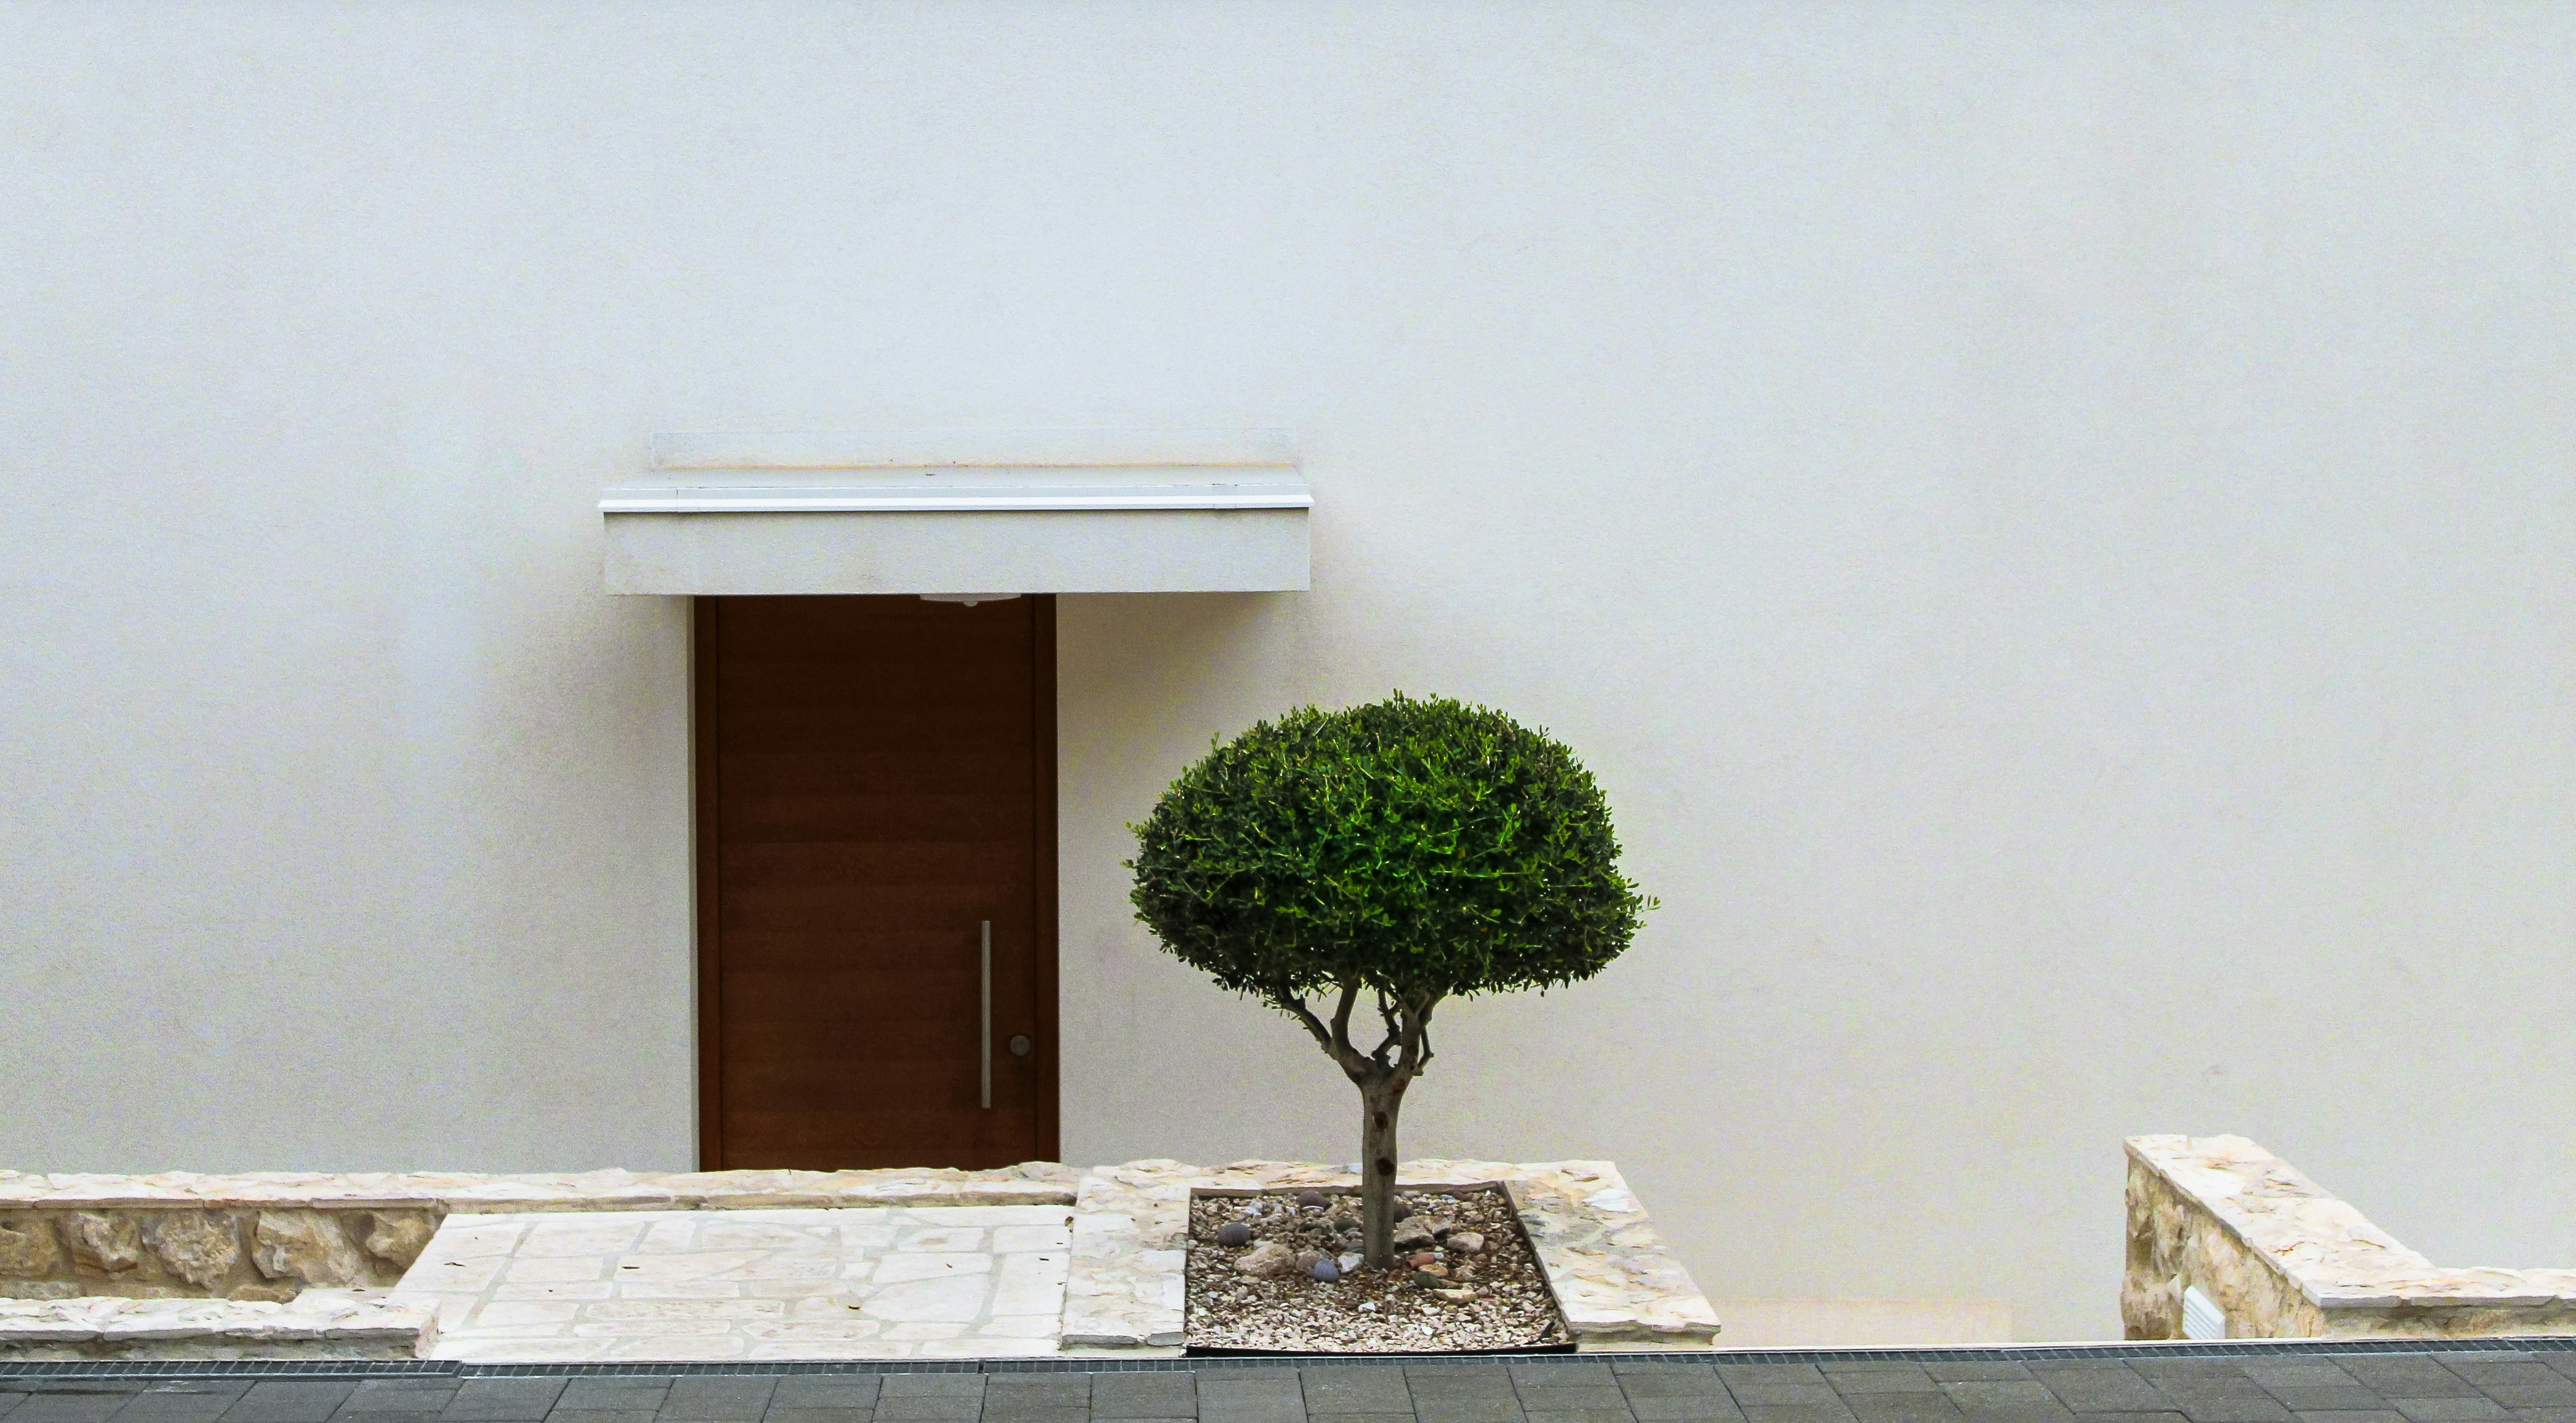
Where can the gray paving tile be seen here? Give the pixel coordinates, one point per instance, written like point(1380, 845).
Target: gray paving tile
point(1015, 1411)
point(618, 1395)
point(1619, 1414)
point(1339, 1389)
point(1674, 1407)
point(512, 1400)
point(287, 1402)
point(2219, 1374)
point(191, 1402)
point(1562, 1373)
point(2254, 1407)
point(1882, 1378)
point(1795, 1413)
point(2182, 1389)
point(1404, 1417)
point(717, 1398)
point(1671, 1381)
point(818, 1415)
point(1980, 1371)
point(73, 1404)
point(10, 1398)
point(895, 1407)
point(2022, 1400)
point(1029, 1390)
point(930, 1398)
point(2354, 1415)
point(2349, 1398)
point(2544, 1415)
point(2475, 1407)
point(1467, 1408)
point(1250, 1384)
point(1782, 1395)
point(1930, 1406)
point(399, 1395)
point(600, 1415)
point(2406, 1376)
point(1251, 1410)
point(2304, 1374)
point(2521, 1373)
point(1562, 1398)
point(1458, 1381)
point(1156, 1395)
point(930, 1386)
point(2560, 1394)
point(1765, 1375)
point(2101, 1388)
point(1251, 1396)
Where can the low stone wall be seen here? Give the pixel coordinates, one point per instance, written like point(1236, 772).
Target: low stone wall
point(1617, 1283)
point(269, 1236)
point(234, 1254)
point(321, 1324)
point(2281, 1258)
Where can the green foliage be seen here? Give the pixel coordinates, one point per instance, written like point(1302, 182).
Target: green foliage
point(1413, 847)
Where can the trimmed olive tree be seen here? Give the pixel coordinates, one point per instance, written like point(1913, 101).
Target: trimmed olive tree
point(1396, 854)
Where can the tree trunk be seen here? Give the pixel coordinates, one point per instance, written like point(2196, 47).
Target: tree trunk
point(1380, 1104)
point(1381, 1075)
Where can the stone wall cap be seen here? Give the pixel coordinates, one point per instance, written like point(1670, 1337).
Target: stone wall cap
point(1030, 1183)
point(331, 1317)
point(2333, 1254)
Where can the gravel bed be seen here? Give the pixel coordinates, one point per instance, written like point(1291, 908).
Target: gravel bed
point(1490, 1297)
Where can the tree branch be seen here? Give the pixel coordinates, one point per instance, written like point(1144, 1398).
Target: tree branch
point(1394, 1031)
point(1295, 1005)
point(1417, 1045)
point(1341, 1044)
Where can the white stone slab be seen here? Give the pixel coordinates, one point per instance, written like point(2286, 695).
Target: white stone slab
point(841, 1283)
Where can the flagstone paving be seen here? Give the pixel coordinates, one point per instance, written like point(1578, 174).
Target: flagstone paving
point(867, 1283)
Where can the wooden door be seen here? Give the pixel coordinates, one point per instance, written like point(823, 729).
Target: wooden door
point(876, 783)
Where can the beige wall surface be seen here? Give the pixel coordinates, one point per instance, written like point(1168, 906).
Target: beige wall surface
point(2053, 523)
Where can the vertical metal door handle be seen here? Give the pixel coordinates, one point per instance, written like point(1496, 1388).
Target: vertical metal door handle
point(987, 1059)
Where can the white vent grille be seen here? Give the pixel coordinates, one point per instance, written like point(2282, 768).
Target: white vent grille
point(2201, 1316)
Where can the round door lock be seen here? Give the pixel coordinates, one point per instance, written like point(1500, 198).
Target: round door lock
point(1020, 1044)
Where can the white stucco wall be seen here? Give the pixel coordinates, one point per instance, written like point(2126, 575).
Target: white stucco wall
point(2053, 523)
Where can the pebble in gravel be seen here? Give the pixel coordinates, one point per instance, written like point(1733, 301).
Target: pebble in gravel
point(1265, 1260)
point(1488, 1295)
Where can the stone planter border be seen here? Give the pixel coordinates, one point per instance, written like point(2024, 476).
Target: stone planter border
point(1618, 1286)
point(2281, 1258)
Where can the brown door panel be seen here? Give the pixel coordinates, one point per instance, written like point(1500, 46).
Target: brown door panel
point(875, 781)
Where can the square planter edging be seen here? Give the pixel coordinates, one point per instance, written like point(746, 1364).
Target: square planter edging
point(1618, 1284)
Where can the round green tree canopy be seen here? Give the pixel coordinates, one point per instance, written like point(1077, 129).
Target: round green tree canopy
point(1412, 846)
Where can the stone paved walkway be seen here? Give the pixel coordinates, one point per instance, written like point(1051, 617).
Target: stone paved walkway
point(2498, 1387)
point(672, 1286)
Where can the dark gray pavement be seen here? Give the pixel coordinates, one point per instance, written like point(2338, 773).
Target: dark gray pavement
point(2456, 1387)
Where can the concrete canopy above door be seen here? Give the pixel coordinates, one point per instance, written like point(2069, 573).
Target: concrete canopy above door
point(965, 511)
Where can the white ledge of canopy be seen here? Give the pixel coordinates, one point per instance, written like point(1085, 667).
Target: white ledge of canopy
point(943, 471)
point(1173, 481)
